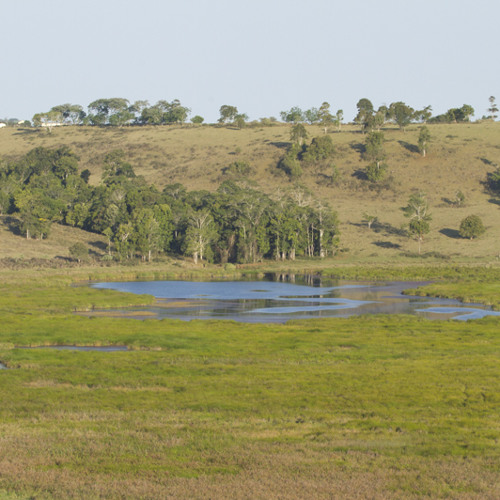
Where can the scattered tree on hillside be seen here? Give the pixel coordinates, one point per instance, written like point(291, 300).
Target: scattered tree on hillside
point(325, 118)
point(197, 119)
point(471, 227)
point(493, 109)
point(459, 199)
point(369, 219)
point(339, 116)
point(227, 113)
point(423, 115)
point(375, 154)
point(417, 210)
point(311, 116)
point(423, 139)
point(454, 115)
point(493, 181)
point(114, 111)
point(79, 252)
point(365, 114)
point(240, 120)
point(401, 114)
point(72, 114)
point(294, 115)
point(298, 134)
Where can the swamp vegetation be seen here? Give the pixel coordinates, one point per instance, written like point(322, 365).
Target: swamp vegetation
point(379, 406)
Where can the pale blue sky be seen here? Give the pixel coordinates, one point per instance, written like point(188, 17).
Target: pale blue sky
point(263, 56)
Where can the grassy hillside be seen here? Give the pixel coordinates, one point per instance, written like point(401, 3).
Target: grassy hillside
point(459, 158)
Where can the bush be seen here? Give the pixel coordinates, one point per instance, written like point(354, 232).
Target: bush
point(471, 227)
point(79, 252)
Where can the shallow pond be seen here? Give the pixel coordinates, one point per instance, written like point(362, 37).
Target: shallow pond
point(288, 297)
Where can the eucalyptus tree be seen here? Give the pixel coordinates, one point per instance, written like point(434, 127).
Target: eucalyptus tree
point(417, 211)
point(311, 116)
point(339, 116)
point(240, 120)
point(146, 235)
point(493, 109)
point(293, 115)
point(102, 111)
point(423, 140)
point(200, 234)
point(375, 154)
point(227, 113)
point(364, 117)
point(325, 117)
point(402, 114)
point(298, 134)
point(71, 113)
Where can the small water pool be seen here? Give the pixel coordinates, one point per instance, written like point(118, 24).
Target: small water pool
point(287, 297)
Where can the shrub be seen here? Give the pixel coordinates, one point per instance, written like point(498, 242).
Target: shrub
point(471, 227)
point(79, 252)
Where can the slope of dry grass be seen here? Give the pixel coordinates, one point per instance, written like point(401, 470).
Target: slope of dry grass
point(459, 158)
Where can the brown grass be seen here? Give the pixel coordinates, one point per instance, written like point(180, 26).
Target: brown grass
point(459, 158)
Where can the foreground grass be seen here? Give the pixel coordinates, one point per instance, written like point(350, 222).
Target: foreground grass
point(378, 407)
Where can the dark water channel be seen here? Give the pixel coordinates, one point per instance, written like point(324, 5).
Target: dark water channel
point(285, 297)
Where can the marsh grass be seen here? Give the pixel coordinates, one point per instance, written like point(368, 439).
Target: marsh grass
point(379, 406)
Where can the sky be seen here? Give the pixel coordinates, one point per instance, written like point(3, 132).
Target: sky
point(262, 56)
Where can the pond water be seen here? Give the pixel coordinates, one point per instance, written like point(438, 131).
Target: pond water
point(285, 297)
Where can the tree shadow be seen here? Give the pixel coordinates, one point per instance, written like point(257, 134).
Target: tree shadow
point(487, 162)
point(360, 174)
point(27, 131)
point(451, 233)
point(100, 245)
point(409, 147)
point(495, 201)
point(358, 147)
point(386, 244)
point(280, 144)
point(12, 225)
point(388, 229)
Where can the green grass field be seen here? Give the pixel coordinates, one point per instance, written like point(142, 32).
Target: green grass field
point(368, 407)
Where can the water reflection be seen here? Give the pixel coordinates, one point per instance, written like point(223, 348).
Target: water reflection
point(279, 298)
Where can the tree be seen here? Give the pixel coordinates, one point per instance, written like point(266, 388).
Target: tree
point(493, 109)
point(417, 210)
point(240, 120)
point(199, 234)
point(294, 115)
point(401, 114)
point(321, 148)
point(423, 139)
point(324, 116)
point(197, 120)
point(227, 113)
point(311, 115)
point(423, 115)
point(365, 113)
point(369, 219)
point(70, 113)
point(104, 109)
point(471, 227)
point(339, 116)
point(298, 134)
point(375, 153)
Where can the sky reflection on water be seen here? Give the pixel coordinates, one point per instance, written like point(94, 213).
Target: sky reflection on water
point(291, 297)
